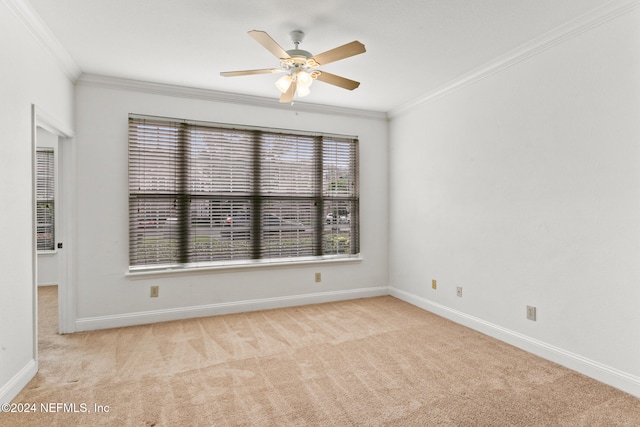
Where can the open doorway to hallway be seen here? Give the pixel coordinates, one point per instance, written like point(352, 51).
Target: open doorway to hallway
point(47, 220)
point(47, 131)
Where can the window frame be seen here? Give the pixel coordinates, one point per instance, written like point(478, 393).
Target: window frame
point(258, 201)
point(46, 188)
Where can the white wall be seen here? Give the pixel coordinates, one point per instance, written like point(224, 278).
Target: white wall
point(524, 189)
point(48, 273)
point(107, 297)
point(28, 75)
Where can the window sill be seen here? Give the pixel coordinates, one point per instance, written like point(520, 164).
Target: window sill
point(244, 265)
point(52, 252)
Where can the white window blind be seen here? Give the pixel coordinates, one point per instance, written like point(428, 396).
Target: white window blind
point(45, 199)
point(202, 194)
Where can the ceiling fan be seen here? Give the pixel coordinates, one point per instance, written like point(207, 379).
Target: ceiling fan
point(301, 66)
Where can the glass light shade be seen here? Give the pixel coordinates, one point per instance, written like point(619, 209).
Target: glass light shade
point(283, 83)
point(304, 79)
point(302, 91)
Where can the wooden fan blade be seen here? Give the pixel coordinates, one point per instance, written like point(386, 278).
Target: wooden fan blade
point(289, 94)
point(342, 82)
point(341, 52)
point(268, 43)
point(250, 72)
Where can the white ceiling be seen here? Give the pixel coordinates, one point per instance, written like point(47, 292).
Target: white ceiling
point(413, 46)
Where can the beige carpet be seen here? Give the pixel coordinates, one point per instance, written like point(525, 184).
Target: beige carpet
point(377, 361)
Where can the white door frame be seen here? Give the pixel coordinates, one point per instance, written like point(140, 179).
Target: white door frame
point(64, 224)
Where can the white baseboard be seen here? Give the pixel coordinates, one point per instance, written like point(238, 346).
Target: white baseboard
point(603, 373)
point(18, 382)
point(140, 318)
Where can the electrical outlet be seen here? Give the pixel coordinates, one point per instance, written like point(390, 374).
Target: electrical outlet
point(318, 277)
point(434, 285)
point(531, 313)
point(155, 291)
point(459, 291)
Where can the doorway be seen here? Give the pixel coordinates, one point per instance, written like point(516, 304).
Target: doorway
point(51, 263)
point(47, 217)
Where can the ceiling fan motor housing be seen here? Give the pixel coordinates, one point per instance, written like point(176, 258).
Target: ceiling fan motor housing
point(293, 53)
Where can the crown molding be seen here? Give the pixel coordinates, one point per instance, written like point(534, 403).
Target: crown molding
point(94, 80)
point(559, 35)
point(36, 26)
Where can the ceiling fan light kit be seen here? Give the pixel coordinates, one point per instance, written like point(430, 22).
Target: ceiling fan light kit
point(300, 65)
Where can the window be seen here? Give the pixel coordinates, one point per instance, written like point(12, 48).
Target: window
point(45, 199)
point(204, 193)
